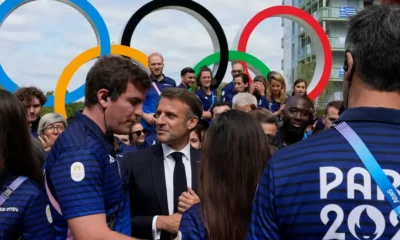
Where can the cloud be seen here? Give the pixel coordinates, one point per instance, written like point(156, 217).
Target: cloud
point(40, 39)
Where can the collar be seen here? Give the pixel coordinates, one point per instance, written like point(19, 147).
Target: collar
point(35, 124)
point(107, 141)
point(155, 80)
point(167, 150)
point(183, 85)
point(370, 114)
point(204, 92)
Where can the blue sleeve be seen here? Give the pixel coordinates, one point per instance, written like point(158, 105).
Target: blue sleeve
point(263, 102)
point(189, 227)
point(263, 223)
point(38, 219)
point(77, 183)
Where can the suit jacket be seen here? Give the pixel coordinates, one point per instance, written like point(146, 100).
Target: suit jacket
point(147, 187)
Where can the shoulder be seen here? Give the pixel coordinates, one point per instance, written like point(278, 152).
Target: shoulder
point(197, 153)
point(140, 157)
point(199, 93)
point(31, 192)
point(170, 80)
point(317, 146)
point(76, 135)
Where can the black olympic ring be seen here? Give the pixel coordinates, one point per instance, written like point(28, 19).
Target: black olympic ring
point(205, 17)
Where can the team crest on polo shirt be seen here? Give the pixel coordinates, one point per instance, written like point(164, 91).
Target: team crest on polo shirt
point(48, 214)
point(77, 171)
point(111, 159)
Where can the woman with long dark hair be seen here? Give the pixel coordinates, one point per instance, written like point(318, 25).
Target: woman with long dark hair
point(229, 174)
point(25, 212)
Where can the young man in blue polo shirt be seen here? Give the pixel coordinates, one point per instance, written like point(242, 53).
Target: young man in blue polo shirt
point(159, 83)
point(228, 91)
point(83, 178)
point(322, 187)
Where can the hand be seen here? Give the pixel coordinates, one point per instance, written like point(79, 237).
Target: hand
point(252, 87)
point(149, 118)
point(46, 144)
point(169, 223)
point(282, 107)
point(261, 89)
point(206, 115)
point(187, 199)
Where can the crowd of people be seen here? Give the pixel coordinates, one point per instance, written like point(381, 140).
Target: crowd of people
point(147, 159)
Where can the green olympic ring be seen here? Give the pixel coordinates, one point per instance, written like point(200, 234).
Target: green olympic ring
point(255, 64)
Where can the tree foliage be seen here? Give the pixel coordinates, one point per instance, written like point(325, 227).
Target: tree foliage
point(306, 71)
point(70, 108)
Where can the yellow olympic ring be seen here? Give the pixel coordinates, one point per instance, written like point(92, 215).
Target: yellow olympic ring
point(74, 65)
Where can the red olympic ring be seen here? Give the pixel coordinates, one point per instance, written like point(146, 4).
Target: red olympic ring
point(276, 11)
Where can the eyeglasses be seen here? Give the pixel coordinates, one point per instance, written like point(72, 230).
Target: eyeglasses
point(52, 129)
point(139, 132)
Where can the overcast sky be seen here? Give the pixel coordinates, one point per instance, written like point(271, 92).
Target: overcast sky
point(39, 39)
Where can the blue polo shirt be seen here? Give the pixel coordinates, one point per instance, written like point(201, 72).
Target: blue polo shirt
point(208, 100)
point(182, 86)
point(152, 97)
point(123, 148)
point(228, 92)
point(320, 189)
point(26, 212)
point(192, 226)
point(83, 175)
point(263, 102)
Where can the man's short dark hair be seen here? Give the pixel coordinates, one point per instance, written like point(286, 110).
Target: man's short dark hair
point(187, 97)
point(334, 104)
point(220, 104)
point(186, 71)
point(25, 95)
point(113, 73)
point(264, 116)
point(373, 40)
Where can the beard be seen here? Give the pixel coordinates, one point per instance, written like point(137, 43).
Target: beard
point(296, 131)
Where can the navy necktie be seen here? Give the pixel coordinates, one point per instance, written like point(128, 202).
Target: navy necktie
point(180, 183)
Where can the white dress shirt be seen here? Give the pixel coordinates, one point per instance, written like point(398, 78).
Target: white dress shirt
point(169, 166)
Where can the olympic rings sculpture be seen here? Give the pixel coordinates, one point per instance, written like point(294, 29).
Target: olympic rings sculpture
point(221, 57)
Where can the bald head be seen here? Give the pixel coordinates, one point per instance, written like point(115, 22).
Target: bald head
point(237, 69)
point(156, 65)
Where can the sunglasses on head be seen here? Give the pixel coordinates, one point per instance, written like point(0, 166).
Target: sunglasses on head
point(139, 132)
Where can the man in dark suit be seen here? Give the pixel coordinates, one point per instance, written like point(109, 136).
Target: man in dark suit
point(163, 178)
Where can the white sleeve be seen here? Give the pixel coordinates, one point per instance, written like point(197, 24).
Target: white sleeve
point(156, 234)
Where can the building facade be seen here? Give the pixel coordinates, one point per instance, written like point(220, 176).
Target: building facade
point(298, 49)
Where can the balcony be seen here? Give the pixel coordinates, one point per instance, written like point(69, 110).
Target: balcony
point(337, 74)
point(335, 13)
point(306, 3)
point(337, 44)
point(301, 3)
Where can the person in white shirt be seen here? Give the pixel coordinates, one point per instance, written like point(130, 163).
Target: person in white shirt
point(163, 179)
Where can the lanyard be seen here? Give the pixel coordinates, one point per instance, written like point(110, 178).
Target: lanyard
point(11, 188)
point(212, 101)
point(373, 167)
point(156, 87)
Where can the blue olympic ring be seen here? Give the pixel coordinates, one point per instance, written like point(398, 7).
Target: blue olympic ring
point(90, 13)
